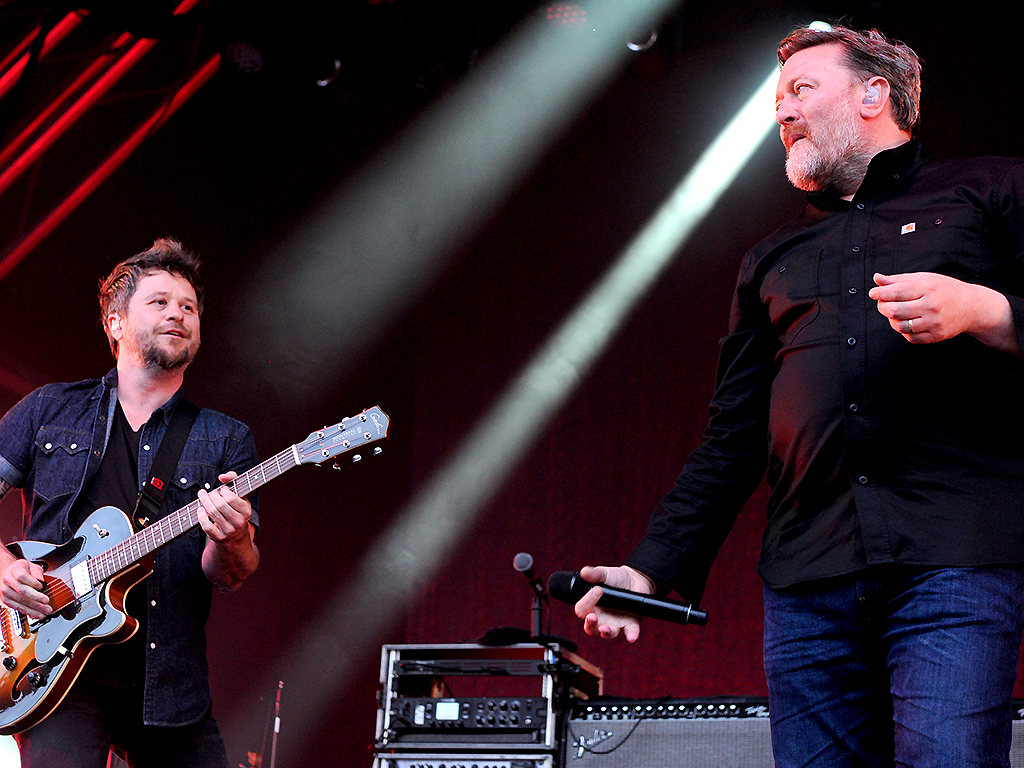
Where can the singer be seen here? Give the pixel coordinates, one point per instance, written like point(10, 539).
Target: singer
point(873, 366)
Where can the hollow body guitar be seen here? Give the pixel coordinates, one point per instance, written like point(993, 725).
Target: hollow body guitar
point(88, 577)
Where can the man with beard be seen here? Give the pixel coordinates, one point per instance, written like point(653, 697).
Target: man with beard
point(76, 447)
point(874, 350)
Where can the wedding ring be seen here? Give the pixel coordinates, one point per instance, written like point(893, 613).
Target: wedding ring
point(911, 324)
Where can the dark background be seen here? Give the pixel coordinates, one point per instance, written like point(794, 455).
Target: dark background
point(254, 155)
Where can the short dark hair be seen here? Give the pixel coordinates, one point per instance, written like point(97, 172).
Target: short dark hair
point(165, 255)
point(868, 54)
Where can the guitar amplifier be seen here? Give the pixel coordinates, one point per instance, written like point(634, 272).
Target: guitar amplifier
point(688, 733)
point(669, 733)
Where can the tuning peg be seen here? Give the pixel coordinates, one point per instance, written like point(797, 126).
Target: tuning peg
point(356, 458)
point(378, 451)
point(334, 466)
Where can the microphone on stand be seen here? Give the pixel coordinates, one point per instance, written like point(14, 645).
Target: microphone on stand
point(523, 562)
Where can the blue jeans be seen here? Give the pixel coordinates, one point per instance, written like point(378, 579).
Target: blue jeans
point(907, 668)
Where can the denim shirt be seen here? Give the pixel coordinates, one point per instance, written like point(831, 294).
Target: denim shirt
point(51, 444)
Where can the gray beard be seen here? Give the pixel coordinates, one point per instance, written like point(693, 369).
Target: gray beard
point(834, 159)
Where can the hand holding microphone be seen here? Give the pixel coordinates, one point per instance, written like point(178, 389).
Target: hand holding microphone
point(624, 595)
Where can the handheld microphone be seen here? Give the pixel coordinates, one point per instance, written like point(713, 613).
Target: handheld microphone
point(569, 587)
point(523, 562)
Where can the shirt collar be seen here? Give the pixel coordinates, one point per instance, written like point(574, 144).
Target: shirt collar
point(887, 170)
point(164, 412)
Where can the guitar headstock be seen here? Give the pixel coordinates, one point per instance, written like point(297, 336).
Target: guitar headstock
point(368, 427)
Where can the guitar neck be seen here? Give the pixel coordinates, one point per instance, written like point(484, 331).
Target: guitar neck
point(127, 553)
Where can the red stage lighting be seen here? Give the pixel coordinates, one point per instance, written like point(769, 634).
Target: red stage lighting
point(572, 15)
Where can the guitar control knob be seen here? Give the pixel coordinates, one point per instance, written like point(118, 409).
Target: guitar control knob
point(10, 663)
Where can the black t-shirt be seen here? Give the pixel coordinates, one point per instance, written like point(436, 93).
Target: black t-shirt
point(116, 484)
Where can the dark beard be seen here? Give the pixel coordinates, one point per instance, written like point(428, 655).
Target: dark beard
point(156, 358)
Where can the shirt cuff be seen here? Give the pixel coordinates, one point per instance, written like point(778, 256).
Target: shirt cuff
point(1017, 308)
point(9, 474)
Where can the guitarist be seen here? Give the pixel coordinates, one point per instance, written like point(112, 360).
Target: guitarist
point(73, 448)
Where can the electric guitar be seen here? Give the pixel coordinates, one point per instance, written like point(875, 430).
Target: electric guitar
point(88, 577)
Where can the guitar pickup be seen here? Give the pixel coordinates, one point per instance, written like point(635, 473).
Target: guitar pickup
point(80, 580)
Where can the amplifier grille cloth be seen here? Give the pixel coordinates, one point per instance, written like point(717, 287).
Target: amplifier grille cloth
point(736, 743)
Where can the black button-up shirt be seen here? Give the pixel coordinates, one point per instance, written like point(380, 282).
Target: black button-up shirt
point(877, 450)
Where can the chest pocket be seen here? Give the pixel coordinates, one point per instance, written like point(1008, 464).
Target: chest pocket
point(183, 489)
point(951, 241)
point(790, 290)
point(61, 456)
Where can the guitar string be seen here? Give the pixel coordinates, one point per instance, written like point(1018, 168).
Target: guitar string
point(62, 592)
point(130, 550)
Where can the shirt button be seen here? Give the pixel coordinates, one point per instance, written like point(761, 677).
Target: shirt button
point(860, 206)
point(145, 447)
point(854, 407)
point(851, 341)
point(153, 603)
point(853, 291)
point(856, 249)
point(48, 446)
point(184, 481)
point(152, 645)
point(782, 269)
point(862, 480)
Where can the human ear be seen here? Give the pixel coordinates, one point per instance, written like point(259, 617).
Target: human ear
point(876, 95)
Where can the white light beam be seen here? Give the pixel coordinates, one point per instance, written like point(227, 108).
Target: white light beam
point(438, 517)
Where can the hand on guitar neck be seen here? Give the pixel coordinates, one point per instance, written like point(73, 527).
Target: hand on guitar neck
point(49, 630)
point(231, 555)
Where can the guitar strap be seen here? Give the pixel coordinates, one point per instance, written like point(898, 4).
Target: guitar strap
point(151, 497)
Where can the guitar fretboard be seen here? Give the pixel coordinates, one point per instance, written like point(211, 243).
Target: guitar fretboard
point(128, 552)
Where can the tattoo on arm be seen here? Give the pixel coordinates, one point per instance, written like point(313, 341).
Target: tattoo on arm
point(4, 488)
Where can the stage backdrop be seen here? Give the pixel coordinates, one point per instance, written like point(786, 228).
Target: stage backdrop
point(237, 170)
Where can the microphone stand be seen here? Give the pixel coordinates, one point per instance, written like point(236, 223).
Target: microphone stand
point(537, 613)
point(277, 724)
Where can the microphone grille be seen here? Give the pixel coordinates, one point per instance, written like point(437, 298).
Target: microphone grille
point(522, 562)
point(567, 586)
